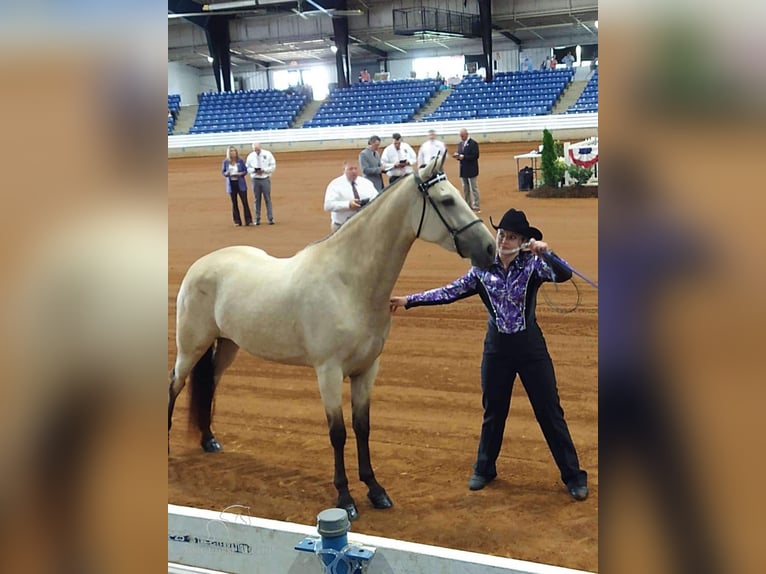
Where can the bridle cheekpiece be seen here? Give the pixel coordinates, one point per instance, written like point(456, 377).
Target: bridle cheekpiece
point(423, 187)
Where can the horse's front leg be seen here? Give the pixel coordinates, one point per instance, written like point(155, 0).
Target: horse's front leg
point(330, 388)
point(361, 387)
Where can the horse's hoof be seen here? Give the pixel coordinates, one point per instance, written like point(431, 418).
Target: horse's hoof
point(351, 510)
point(211, 445)
point(380, 500)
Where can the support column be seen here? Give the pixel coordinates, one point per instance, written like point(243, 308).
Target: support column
point(219, 42)
point(342, 59)
point(485, 24)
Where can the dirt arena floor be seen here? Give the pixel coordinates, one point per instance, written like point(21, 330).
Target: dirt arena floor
point(426, 406)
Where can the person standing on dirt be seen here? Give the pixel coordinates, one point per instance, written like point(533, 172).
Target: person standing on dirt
point(369, 162)
point(347, 194)
point(398, 158)
point(430, 148)
point(514, 345)
point(468, 155)
point(260, 165)
point(234, 170)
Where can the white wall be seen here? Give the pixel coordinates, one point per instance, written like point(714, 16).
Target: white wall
point(258, 80)
point(400, 69)
point(536, 55)
point(207, 81)
point(184, 80)
point(507, 60)
point(189, 82)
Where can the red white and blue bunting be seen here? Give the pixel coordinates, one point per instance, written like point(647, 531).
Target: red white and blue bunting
point(584, 156)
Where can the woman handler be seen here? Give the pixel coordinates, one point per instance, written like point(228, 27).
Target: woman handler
point(514, 344)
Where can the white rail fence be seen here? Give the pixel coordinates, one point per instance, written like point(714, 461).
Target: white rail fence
point(206, 542)
point(511, 129)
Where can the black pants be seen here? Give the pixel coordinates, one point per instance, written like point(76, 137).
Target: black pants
point(524, 354)
point(235, 207)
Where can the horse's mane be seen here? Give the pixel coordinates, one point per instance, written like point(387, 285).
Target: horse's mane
point(362, 212)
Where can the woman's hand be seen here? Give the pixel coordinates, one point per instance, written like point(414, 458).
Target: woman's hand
point(396, 302)
point(537, 247)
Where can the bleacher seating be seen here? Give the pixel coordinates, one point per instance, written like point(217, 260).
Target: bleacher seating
point(246, 110)
point(387, 102)
point(174, 104)
point(588, 100)
point(509, 94)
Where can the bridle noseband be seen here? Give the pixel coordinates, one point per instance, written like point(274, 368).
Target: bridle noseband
point(423, 187)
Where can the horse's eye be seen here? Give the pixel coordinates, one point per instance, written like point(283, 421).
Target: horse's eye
point(449, 202)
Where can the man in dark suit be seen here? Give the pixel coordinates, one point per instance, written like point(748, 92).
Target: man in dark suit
point(468, 155)
point(369, 162)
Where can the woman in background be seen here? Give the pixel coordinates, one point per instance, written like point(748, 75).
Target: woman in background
point(234, 171)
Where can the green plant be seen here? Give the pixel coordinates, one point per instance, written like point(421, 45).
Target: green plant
point(548, 160)
point(581, 175)
point(559, 147)
point(560, 168)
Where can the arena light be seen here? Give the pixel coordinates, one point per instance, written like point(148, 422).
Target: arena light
point(230, 5)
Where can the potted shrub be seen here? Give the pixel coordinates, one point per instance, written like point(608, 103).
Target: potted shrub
point(581, 175)
point(560, 170)
point(548, 160)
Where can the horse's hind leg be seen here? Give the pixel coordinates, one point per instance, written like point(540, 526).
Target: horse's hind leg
point(183, 366)
point(361, 387)
point(205, 377)
point(330, 387)
point(225, 353)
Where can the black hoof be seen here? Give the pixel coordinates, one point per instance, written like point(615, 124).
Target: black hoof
point(211, 445)
point(351, 510)
point(380, 500)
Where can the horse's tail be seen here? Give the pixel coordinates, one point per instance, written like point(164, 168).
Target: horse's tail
point(202, 390)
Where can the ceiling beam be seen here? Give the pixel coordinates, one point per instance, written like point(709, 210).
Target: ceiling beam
point(506, 33)
point(373, 50)
point(240, 56)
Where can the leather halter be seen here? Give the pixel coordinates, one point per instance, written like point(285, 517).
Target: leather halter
point(423, 187)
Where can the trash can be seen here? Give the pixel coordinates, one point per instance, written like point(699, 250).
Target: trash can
point(526, 179)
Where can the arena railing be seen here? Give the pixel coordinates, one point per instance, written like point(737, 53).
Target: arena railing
point(527, 128)
point(208, 542)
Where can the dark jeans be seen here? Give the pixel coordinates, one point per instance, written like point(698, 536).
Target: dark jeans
point(524, 354)
point(235, 207)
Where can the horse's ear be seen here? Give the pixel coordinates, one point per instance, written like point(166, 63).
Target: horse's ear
point(440, 159)
point(429, 169)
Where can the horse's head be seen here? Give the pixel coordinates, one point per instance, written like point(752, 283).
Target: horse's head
point(447, 220)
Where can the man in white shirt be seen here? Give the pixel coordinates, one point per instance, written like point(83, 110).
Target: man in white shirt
point(430, 149)
point(397, 159)
point(347, 194)
point(260, 165)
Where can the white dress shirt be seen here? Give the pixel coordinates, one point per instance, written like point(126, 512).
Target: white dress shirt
point(265, 160)
point(391, 156)
point(340, 193)
point(429, 150)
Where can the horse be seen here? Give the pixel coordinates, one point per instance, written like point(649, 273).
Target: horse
point(326, 307)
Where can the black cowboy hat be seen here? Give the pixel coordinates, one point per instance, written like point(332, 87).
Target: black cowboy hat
point(516, 221)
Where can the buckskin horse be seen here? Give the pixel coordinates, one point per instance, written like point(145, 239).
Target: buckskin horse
point(326, 307)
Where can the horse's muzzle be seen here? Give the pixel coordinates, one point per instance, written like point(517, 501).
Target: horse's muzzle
point(483, 254)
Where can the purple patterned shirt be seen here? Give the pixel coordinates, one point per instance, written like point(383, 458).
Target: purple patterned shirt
point(508, 295)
